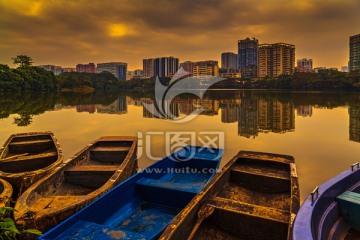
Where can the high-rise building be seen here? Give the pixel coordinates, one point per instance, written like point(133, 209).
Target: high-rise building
point(88, 68)
point(304, 65)
point(166, 66)
point(229, 60)
point(160, 67)
point(354, 61)
point(52, 68)
point(248, 57)
point(118, 69)
point(188, 66)
point(68, 69)
point(148, 67)
point(203, 71)
point(276, 59)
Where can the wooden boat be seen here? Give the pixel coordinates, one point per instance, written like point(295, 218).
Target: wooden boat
point(255, 196)
point(27, 157)
point(323, 213)
point(93, 171)
point(142, 206)
point(6, 192)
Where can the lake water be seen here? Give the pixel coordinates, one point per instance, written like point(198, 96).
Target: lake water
point(321, 130)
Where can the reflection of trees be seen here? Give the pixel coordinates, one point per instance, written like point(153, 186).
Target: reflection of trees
point(25, 105)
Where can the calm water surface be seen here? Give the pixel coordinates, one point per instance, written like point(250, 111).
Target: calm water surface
point(321, 130)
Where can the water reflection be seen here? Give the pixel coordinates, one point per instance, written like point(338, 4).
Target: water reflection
point(354, 125)
point(322, 130)
point(255, 112)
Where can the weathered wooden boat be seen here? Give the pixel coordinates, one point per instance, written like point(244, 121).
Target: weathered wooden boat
point(93, 171)
point(27, 157)
point(6, 192)
point(142, 206)
point(329, 211)
point(255, 196)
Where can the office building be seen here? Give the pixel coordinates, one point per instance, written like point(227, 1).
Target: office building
point(204, 71)
point(229, 60)
point(304, 65)
point(52, 68)
point(148, 67)
point(276, 59)
point(160, 67)
point(354, 61)
point(188, 66)
point(68, 69)
point(248, 57)
point(118, 69)
point(88, 68)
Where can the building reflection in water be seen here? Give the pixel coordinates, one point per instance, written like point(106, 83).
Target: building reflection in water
point(354, 125)
point(304, 110)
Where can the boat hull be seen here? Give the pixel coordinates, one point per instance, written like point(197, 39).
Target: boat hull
point(319, 217)
point(245, 206)
point(28, 157)
point(53, 199)
point(142, 206)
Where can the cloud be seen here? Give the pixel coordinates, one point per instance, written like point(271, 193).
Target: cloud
point(70, 32)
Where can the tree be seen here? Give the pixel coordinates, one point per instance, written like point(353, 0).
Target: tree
point(23, 60)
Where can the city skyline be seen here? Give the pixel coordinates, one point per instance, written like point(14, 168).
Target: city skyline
point(130, 31)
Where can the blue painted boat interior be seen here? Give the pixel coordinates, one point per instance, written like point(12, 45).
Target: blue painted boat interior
point(142, 206)
point(322, 218)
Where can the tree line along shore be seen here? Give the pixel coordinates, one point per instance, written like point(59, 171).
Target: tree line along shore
point(26, 77)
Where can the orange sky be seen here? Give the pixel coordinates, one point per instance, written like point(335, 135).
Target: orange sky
point(80, 31)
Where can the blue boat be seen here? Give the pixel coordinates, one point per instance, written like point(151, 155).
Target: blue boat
point(142, 206)
point(332, 210)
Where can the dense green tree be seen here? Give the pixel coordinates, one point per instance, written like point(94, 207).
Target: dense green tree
point(23, 61)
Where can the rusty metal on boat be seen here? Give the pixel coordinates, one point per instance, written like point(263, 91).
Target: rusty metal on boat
point(27, 157)
point(93, 171)
point(255, 196)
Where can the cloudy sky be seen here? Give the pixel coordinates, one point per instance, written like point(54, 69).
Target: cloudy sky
point(80, 31)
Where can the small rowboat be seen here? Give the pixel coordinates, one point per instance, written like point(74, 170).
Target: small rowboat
point(27, 157)
point(142, 206)
point(332, 210)
point(6, 192)
point(93, 171)
point(255, 196)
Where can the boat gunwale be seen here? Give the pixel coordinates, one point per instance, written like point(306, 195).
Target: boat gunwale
point(209, 190)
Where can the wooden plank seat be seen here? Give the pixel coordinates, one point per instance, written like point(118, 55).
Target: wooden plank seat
point(168, 185)
point(31, 146)
point(261, 179)
point(93, 168)
point(110, 149)
point(31, 142)
point(244, 208)
point(22, 157)
point(259, 170)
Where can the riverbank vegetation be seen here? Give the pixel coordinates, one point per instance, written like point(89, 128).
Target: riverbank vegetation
point(30, 78)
